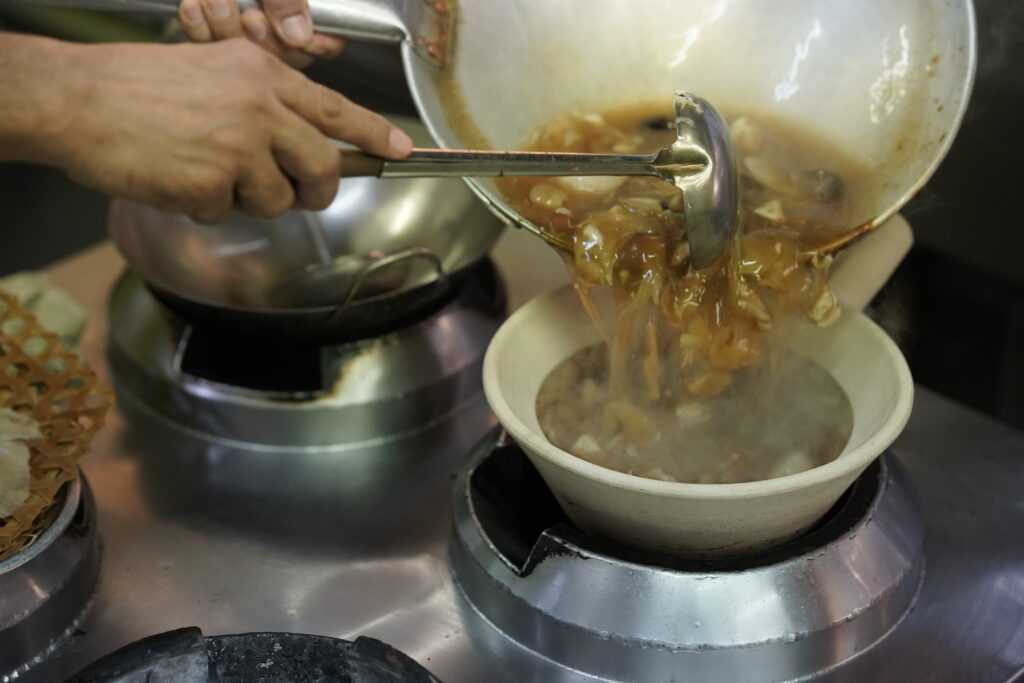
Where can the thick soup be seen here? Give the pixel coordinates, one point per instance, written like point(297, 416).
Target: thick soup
point(681, 335)
point(748, 432)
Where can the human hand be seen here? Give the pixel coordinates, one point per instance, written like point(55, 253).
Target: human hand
point(209, 129)
point(282, 27)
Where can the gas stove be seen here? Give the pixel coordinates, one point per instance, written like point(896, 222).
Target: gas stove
point(251, 391)
point(437, 538)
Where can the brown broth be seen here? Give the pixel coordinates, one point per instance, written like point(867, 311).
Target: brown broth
point(749, 432)
point(686, 330)
point(686, 341)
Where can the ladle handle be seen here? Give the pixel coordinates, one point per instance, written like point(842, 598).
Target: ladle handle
point(472, 163)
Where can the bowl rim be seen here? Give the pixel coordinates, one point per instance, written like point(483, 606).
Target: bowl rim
point(851, 462)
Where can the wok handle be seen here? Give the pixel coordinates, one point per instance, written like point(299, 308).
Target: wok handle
point(471, 163)
point(375, 20)
point(425, 24)
point(386, 261)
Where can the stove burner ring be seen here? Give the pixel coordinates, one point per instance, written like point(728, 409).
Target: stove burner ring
point(48, 587)
point(619, 614)
point(302, 395)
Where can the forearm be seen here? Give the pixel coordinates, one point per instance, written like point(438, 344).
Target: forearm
point(40, 93)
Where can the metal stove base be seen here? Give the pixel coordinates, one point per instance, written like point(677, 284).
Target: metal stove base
point(235, 549)
point(368, 391)
point(46, 590)
point(608, 611)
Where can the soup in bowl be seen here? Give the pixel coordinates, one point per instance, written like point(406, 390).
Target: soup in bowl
point(695, 519)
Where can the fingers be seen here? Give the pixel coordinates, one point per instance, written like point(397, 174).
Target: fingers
point(207, 20)
point(263, 190)
point(257, 28)
point(338, 117)
point(193, 21)
point(223, 17)
point(290, 20)
point(212, 204)
point(325, 46)
point(204, 21)
point(309, 159)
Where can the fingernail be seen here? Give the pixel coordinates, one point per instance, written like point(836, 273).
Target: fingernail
point(256, 27)
point(191, 11)
point(298, 29)
point(220, 9)
point(399, 142)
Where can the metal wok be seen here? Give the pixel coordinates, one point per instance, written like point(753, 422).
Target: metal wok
point(886, 81)
point(382, 251)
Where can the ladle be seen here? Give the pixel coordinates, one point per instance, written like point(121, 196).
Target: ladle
point(700, 163)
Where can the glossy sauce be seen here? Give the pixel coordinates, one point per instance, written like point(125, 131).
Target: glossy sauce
point(680, 334)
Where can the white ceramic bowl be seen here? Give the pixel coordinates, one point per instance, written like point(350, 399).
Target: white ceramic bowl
point(694, 519)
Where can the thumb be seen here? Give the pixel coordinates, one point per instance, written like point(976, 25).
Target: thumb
point(291, 21)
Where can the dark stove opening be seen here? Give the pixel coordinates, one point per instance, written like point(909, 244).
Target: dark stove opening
point(519, 514)
point(290, 362)
point(273, 366)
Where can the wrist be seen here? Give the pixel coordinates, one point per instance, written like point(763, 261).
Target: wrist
point(44, 93)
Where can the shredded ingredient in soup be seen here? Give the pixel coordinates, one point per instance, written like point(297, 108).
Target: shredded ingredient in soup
point(748, 432)
point(681, 334)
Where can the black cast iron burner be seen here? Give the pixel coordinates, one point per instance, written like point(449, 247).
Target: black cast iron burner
point(214, 351)
point(187, 656)
point(621, 614)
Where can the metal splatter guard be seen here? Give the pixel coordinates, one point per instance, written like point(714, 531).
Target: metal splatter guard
point(187, 656)
point(617, 614)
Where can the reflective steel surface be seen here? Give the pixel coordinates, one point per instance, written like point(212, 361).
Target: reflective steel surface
point(46, 589)
point(198, 533)
point(366, 392)
point(369, 242)
point(790, 613)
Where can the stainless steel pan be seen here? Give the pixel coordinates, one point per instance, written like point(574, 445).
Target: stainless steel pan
point(383, 248)
point(887, 81)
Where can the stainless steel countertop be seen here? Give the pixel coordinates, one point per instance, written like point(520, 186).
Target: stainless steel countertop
point(198, 534)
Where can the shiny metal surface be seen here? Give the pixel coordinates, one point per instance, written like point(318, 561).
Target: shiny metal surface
point(906, 71)
point(425, 26)
point(906, 68)
point(710, 197)
point(46, 589)
point(375, 390)
point(232, 540)
point(368, 243)
point(769, 619)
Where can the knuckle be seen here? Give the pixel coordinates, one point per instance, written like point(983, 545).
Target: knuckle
point(330, 106)
point(248, 55)
point(321, 196)
point(208, 215)
point(230, 142)
point(211, 190)
point(284, 201)
point(195, 33)
point(326, 167)
point(274, 202)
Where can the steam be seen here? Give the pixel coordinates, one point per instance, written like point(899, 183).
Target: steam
point(777, 418)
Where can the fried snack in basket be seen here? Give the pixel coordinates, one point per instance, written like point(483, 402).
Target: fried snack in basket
point(42, 379)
